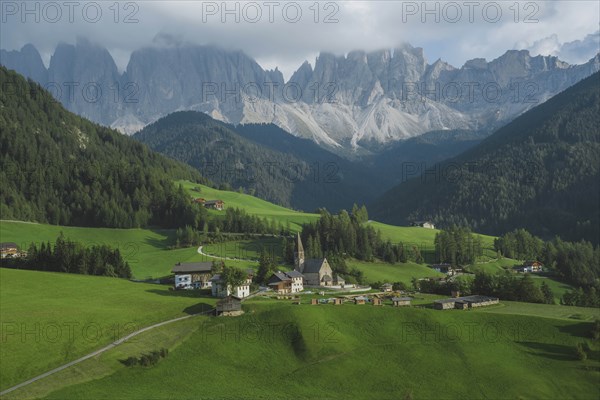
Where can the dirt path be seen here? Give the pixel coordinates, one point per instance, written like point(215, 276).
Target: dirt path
point(97, 352)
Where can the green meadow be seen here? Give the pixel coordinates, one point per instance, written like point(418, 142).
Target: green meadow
point(51, 318)
point(385, 272)
point(252, 205)
point(278, 350)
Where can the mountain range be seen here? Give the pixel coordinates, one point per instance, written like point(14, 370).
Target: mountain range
point(355, 104)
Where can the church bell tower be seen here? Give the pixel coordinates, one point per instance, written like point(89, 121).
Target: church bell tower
point(299, 255)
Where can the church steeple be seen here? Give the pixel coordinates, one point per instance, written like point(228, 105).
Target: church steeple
point(299, 255)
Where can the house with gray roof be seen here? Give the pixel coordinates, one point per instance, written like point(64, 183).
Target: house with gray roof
point(286, 282)
point(192, 275)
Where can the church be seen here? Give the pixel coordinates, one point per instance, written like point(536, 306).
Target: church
point(316, 271)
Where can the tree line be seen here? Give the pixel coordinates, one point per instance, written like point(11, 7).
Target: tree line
point(350, 235)
point(72, 257)
point(457, 246)
point(506, 286)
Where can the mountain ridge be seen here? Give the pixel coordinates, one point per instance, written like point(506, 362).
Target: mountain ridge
point(349, 104)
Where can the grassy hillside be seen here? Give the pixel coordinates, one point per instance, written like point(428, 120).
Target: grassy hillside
point(49, 319)
point(327, 352)
point(253, 205)
point(385, 272)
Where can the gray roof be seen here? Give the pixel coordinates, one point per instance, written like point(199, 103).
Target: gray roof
point(293, 274)
point(284, 276)
point(401, 298)
point(191, 267)
point(387, 285)
point(210, 202)
point(313, 265)
point(8, 245)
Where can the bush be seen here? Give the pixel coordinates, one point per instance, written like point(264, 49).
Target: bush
point(580, 353)
point(147, 360)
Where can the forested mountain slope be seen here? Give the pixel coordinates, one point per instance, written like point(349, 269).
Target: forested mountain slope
point(540, 172)
point(59, 168)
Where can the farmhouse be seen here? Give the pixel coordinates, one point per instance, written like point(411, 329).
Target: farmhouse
point(229, 305)
point(214, 204)
point(219, 290)
point(8, 249)
point(423, 224)
point(360, 300)
point(286, 282)
point(443, 268)
point(316, 271)
point(192, 275)
point(401, 301)
point(465, 302)
point(531, 266)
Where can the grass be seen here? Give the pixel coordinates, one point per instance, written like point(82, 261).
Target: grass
point(51, 318)
point(252, 205)
point(247, 249)
point(544, 310)
point(146, 251)
point(278, 350)
point(385, 272)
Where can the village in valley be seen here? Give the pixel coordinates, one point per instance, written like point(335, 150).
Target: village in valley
point(313, 281)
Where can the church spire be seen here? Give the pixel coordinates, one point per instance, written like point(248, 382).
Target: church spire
point(299, 255)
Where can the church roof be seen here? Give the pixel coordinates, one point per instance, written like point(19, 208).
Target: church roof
point(313, 265)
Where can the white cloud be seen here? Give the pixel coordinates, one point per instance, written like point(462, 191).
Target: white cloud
point(561, 28)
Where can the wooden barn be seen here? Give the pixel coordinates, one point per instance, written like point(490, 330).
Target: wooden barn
point(229, 305)
point(401, 301)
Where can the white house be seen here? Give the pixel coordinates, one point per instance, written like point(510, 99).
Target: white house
point(218, 289)
point(286, 282)
point(192, 275)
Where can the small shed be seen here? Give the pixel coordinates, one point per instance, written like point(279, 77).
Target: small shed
point(401, 301)
point(314, 302)
point(387, 287)
point(377, 301)
point(360, 300)
point(229, 304)
point(338, 301)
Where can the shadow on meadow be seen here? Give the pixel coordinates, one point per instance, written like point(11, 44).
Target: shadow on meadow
point(551, 351)
point(181, 293)
point(198, 308)
point(581, 329)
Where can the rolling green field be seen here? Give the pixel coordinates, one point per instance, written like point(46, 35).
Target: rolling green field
point(385, 272)
point(51, 318)
point(252, 205)
point(249, 249)
point(363, 352)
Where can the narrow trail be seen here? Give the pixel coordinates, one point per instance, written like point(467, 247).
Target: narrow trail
point(97, 352)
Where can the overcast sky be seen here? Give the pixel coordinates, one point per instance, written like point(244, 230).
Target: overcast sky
point(284, 34)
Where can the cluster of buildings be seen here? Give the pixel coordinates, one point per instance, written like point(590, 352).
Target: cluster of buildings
point(314, 272)
point(530, 267)
point(10, 250)
point(199, 275)
point(423, 224)
point(211, 204)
